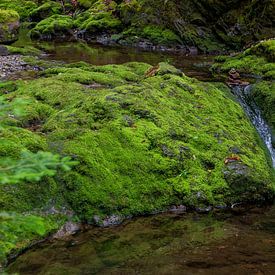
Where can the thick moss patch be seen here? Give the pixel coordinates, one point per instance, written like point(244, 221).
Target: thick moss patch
point(56, 26)
point(143, 143)
point(258, 59)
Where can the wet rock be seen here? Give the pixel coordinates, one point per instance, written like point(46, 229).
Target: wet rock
point(68, 229)
point(235, 150)
point(166, 151)
point(204, 210)
point(235, 169)
point(3, 50)
point(128, 121)
point(108, 221)
point(193, 50)
point(178, 209)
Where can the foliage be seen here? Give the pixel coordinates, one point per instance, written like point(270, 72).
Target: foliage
point(15, 227)
point(16, 230)
point(32, 167)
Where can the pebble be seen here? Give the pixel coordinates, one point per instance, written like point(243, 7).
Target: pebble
point(11, 64)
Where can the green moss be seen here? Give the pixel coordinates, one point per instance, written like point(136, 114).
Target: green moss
point(24, 8)
point(27, 50)
point(98, 22)
point(54, 26)
point(8, 16)
point(160, 35)
point(17, 231)
point(145, 143)
point(46, 10)
point(258, 59)
point(86, 3)
point(264, 95)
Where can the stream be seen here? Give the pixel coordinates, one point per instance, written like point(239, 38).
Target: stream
point(216, 243)
point(254, 113)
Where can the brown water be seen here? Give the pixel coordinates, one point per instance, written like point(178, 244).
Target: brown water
point(162, 244)
point(197, 66)
point(96, 54)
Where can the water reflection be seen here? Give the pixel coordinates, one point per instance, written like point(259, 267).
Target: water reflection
point(163, 244)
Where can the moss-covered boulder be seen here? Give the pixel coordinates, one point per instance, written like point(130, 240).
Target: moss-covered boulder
point(46, 10)
point(9, 26)
point(145, 138)
point(57, 27)
point(257, 60)
point(23, 7)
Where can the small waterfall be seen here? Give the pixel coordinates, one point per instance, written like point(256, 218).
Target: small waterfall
point(254, 113)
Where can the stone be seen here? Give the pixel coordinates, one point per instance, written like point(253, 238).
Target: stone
point(68, 229)
point(3, 50)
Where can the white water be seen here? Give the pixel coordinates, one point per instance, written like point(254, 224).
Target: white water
point(255, 116)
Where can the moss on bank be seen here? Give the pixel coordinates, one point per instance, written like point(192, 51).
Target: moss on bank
point(208, 26)
point(257, 60)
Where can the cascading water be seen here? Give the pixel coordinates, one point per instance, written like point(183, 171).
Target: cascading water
point(253, 112)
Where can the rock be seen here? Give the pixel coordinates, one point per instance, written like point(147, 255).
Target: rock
point(11, 64)
point(9, 26)
point(3, 50)
point(68, 229)
point(193, 50)
point(204, 210)
point(108, 221)
point(178, 209)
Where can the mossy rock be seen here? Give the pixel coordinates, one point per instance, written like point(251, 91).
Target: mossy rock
point(23, 7)
point(46, 10)
point(159, 35)
point(9, 26)
point(142, 142)
point(54, 27)
point(96, 23)
point(258, 59)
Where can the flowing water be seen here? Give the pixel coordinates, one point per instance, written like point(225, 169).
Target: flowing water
point(254, 113)
point(167, 243)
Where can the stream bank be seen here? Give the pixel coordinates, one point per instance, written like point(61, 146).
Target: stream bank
point(118, 101)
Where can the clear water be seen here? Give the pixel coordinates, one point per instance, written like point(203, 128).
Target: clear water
point(162, 244)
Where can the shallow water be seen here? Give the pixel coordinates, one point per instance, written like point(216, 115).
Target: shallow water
point(97, 54)
point(101, 55)
point(162, 244)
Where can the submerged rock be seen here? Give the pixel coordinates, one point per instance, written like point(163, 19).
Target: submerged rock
point(68, 229)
